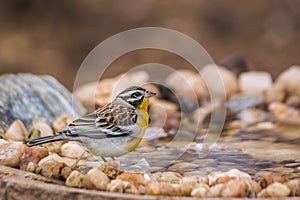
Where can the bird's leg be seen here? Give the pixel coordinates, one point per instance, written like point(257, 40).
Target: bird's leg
point(74, 166)
point(103, 159)
point(113, 158)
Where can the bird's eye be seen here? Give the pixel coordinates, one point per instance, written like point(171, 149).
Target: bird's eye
point(136, 94)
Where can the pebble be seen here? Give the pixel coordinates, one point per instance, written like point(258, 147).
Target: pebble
point(201, 190)
point(254, 82)
point(32, 155)
point(238, 188)
point(76, 179)
point(54, 147)
point(51, 158)
point(117, 185)
point(111, 169)
point(44, 128)
point(170, 177)
point(221, 177)
point(191, 87)
point(270, 179)
point(52, 169)
point(294, 186)
point(285, 114)
point(16, 132)
point(292, 165)
point(134, 178)
point(275, 93)
point(73, 150)
point(62, 123)
point(275, 190)
point(96, 179)
point(290, 79)
point(11, 153)
point(215, 74)
point(252, 116)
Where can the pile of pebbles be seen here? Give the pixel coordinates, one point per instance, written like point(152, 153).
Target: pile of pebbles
point(251, 97)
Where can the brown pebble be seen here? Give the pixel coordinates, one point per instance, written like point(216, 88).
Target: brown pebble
point(10, 153)
point(134, 178)
point(294, 186)
point(269, 179)
point(76, 179)
point(96, 179)
point(32, 154)
point(111, 169)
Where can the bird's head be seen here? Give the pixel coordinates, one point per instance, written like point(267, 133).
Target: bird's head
point(136, 96)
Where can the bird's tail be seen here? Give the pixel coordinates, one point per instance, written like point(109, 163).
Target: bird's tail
point(53, 138)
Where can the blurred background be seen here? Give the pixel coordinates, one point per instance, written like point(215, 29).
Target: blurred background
point(54, 37)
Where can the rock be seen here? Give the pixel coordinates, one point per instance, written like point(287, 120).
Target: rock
point(275, 93)
point(31, 167)
point(160, 188)
point(62, 123)
point(201, 190)
point(166, 188)
point(214, 74)
point(215, 178)
point(96, 179)
point(252, 116)
point(117, 186)
point(111, 169)
point(32, 155)
point(275, 190)
point(293, 101)
point(270, 179)
point(285, 114)
point(239, 188)
point(138, 179)
point(44, 128)
point(290, 79)
point(170, 177)
point(53, 147)
point(10, 153)
point(65, 172)
point(240, 102)
point(16, 132)
point(193, 180)
point(73, 150)
point(294, 186)
point(133, 188)
point(44, 95)
point(254, 82)
point(191, 87)
point(51, 169)
point(76, 179)
point(51, 158)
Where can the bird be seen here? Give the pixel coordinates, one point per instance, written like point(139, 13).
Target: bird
point(112, 130)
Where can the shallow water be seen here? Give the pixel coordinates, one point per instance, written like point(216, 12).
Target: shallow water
point(255, 151)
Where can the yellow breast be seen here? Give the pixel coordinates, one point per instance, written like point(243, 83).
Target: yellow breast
point(144, 122)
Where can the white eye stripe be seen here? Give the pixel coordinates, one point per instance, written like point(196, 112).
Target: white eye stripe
point(129, 93)
point(135, 99)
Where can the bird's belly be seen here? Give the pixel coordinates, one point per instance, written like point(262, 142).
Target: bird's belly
point(113, 146)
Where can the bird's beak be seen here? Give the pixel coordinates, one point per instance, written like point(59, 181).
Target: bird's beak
point(149, 94)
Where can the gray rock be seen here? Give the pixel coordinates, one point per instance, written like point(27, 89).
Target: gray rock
point(30, 98)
